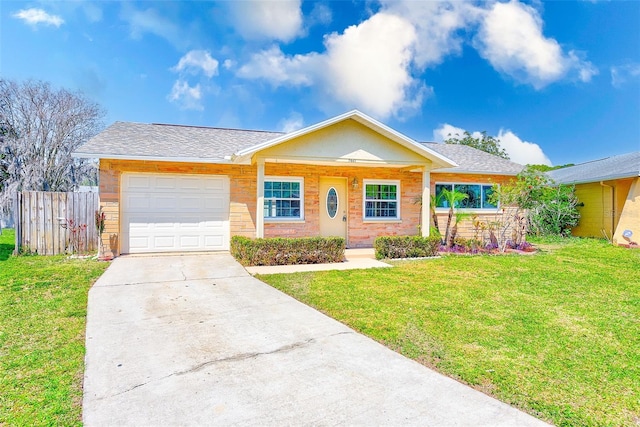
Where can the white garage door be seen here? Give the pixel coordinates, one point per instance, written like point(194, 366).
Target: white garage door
point(168, 213)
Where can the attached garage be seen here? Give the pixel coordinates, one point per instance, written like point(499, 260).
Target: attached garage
point(174, 213)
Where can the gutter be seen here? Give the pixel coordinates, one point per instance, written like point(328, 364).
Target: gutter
point(596, 179)
point(473, 172)
point(213, 160)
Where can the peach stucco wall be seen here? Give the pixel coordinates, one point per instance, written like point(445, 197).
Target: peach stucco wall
point(243, 197)
point(360, 233)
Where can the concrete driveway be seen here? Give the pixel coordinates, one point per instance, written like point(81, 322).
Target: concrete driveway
point(195, 340)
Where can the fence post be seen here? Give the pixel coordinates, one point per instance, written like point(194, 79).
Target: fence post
point(17, 215)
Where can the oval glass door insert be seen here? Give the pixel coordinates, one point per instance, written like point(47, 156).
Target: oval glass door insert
point(332, 202)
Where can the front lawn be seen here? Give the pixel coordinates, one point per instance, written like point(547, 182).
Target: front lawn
point(43, 303)
point(556, 334)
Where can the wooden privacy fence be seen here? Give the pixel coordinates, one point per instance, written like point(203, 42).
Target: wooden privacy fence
point(51, 223)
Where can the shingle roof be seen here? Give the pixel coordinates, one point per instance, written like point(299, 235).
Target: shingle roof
point(614, 167)
point(161, 141)
point(472, 160)
point(158, 140)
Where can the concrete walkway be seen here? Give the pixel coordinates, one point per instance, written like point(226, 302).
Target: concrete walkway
point(195, 340)
point(356, 259)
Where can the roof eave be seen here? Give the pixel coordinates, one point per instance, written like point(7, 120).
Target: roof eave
point(477, 172)
point(597, 179)
point(214, 160)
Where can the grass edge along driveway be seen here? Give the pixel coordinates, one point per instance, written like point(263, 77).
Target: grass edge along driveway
point(555, 334)
point(43, 308)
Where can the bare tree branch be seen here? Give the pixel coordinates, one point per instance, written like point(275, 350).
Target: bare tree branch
point(39, 129)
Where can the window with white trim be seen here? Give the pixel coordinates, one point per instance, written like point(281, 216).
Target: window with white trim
point(381, 200)
point(477, 195)
point(283, 198)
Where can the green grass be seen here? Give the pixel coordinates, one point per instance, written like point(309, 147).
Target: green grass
point(556, 334)
point(42, 322)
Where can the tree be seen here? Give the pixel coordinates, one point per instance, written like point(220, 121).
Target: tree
point(452, 199)
point(5, 133)
point(546, 168)
point(551, 209)
point(39, 129)
point(486, 143)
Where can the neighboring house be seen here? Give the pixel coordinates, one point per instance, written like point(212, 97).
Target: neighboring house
point(186, 188)
point(610, 191)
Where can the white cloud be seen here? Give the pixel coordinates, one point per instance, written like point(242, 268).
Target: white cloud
point(195, 61)
point(92, 11)
point(511, 39)
point(278, 69)
point(189, 98)
point(367, 67)
point(446, 131)
point(437, 24)
point(271, 20)
point(623, 74)
point(519, 151)
point(150, 21)
point(195, 65)
point(374, 65)
point(291, 123)
point(228, 64)
point(523, 152)
point(320, 14)
point(34, 16)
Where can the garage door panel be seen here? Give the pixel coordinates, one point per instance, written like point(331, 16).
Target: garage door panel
point(137, 242)
point(191, 183)
point(175, 213)
point(165, 183)
point(138, 203)
point(164, 203)
point(164, 242)
point(213, 241)
point(138, 182)
point(192, 203)
point(190, 241)
point(216, 185)
point(217, 202)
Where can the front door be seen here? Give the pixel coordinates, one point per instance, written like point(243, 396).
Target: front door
point(333, 207)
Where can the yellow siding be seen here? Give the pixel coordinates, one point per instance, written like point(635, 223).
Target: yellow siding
point(344, 141)
point(628, 198)
point(603, 206)
point(596, 214)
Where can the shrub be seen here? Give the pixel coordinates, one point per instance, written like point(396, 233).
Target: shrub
point(551, 209)
point(406, 246)
point(287, 251)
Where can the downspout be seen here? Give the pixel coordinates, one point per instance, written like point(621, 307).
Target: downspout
point(613, 209)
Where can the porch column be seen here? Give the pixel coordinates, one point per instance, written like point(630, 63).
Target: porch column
point(426, 199)
point(260, 200)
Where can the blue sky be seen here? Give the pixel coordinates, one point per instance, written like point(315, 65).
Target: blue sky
point(557, 82)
